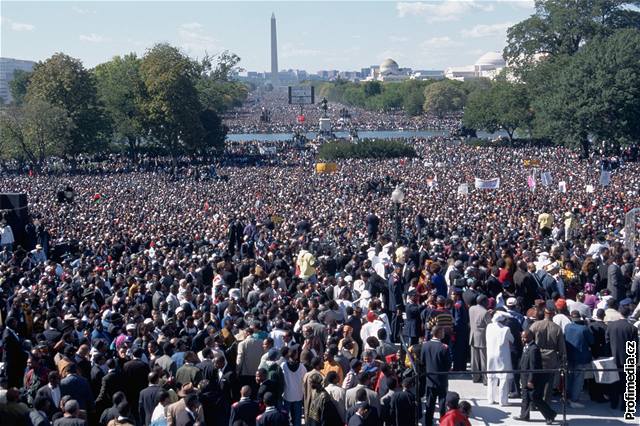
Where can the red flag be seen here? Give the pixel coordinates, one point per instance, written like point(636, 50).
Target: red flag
point(206, 206)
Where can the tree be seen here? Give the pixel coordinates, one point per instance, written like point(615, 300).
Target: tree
point(122, 92)
point(444, 97)
point(35, 130)
point(18, 86)
point(216, 89)
point(505, 105)
point(62, 81)
point(594, 95)
point(215, 134)
point(372, 88)
point(172, 105)
point(561, 27)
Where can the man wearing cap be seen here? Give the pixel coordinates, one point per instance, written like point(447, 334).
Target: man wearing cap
point(550, 340)
point(478, 319)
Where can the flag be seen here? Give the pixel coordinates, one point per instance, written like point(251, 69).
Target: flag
point(589, 188)
point(605, 177)
point(463, 189)
point(487, 183)
point(431, 183)
point(562, 186)
point(545, 178)
point(531, 182)
point(206, 206)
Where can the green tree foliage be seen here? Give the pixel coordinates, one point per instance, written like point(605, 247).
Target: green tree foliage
point(372, 88)
point(122, 92)
point(64, 82)
point(594, 94)
point(18, 86)
point(172, 105)
point(444, 97)
point(375, 148)
point(215, 134)
point(35, 130)
point(216, 89)
point(503, 106)
point(561, 27)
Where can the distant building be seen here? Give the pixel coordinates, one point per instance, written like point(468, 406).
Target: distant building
point(488, 65)
point(389, 71)
point(427, 75)
point(7, 67)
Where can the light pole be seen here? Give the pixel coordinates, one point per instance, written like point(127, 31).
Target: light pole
point(397, 196)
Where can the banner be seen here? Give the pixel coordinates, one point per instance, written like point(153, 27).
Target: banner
point(463, 189)
point(605, 177)
point(589, 188)
point(487, 183)
point(530, 163)
point(545, 178)
point(326, 167)
point(267, 150)
point(562, 186)
point(630, 231)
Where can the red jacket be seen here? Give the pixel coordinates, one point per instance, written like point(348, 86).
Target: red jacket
point(454, 418)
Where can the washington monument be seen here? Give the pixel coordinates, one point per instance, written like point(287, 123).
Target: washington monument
point(274, 52)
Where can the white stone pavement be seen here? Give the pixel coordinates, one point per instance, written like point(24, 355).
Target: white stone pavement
point(483, 414)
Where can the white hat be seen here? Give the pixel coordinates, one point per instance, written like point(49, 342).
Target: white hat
point(130, 327)
point(512, 301)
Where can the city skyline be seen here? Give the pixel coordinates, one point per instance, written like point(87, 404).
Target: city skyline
point(311, 35)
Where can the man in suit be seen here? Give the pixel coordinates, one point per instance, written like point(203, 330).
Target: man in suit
point(97, 373)
point(148, 398)
point(177, 407)
point(136, 373)
point(187, 416)
point(206, 366)
point(246, 410)
point(615, 280)
point(435, 359)
point(478, 321)
point(411, 328)
point(271, 416)
point(112, 382)
point(617, 335)
point(78, 388)
point(51, 391)
point(364, 382)
point(165, 361)
point(15, 358)
point(360, 416)
point(532, 383)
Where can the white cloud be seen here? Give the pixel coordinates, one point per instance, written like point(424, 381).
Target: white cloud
point(439, 42)
point(17, 26)
point(81, 11)
point(490, 30)
point(398, 39)
point(447, 10)
point(93, 38)
point(194, 40)
point(291, 50)
point(192, 26)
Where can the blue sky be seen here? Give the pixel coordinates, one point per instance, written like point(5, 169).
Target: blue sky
point(311, 35)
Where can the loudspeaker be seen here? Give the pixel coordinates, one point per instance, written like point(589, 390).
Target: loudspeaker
point(14, 209)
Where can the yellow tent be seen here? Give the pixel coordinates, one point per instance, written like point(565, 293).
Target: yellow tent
point(326, 167)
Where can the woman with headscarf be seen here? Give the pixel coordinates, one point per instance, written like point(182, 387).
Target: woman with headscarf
point(499, 339)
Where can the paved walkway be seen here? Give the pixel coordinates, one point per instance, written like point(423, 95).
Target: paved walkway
point(484, 414)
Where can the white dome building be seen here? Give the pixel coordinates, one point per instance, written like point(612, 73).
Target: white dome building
point(489, 65)
point(389, 67)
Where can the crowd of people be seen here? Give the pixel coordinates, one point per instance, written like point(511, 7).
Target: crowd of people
point(279, 295)
point(269, 112)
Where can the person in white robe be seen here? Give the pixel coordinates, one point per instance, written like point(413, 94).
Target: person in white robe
point(499, 339)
